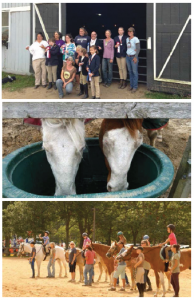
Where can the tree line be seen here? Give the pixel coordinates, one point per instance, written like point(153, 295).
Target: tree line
point(67, 220)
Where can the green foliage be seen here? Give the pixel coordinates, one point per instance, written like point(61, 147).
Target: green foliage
point(67, 220)
point(21, 82)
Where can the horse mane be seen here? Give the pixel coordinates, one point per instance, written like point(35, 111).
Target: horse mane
point(75, 129)
point(132, 125)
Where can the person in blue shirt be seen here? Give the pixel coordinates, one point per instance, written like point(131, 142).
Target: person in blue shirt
point(45, 239)
point(83, 39)
point(133, 49)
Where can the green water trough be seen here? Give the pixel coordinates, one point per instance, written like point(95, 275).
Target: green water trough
point(27, 174)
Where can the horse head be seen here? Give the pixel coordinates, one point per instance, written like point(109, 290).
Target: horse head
point(114, 249)
point(126, 255)
point(64, 141)
point(119, 146)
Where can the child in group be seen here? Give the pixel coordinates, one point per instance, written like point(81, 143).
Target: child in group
point(45, 239)
point(51, 261)
point(171, 239)
point(83, 60)
point(52, 52)
point(93, 72)
point(85, 242)
point(32, 258)
point(146, 237)
point(68, 49)
point(77, 55)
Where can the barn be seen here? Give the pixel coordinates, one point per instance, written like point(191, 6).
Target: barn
point(164, 30)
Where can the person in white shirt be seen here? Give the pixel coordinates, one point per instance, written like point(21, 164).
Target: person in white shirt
point(37, 49)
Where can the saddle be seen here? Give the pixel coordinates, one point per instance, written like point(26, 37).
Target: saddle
point(163, 253)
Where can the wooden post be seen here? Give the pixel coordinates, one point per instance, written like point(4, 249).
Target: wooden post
point(182, 184)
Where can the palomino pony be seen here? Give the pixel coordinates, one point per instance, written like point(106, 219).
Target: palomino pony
point(64, 141)
point(119, 139)
point(80, 262)
point(113, 251)
point(60, 257)
point(152, 255)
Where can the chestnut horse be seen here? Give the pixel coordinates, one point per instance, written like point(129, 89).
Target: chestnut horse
point(109, 262)
point(113, 251)
point(152, 255)
point(119, 139)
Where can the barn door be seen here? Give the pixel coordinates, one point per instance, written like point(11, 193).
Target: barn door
point(172, 42)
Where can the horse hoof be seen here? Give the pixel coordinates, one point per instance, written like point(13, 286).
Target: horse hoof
point(155, 295)
point(65, 276)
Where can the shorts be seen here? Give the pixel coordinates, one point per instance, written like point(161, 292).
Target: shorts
point(72, 267)
point(120, 271)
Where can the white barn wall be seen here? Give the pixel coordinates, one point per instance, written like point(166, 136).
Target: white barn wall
point(16, 59)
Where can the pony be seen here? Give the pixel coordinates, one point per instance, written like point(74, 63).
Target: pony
point(80, 262)
point(64, 141)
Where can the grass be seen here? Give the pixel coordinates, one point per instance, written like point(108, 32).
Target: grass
point(158, 95)
point(21, 82)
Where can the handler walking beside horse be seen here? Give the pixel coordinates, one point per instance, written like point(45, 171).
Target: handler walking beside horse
point(175, 270)
point(52, 261)
point(140, 271)
point(119, 270)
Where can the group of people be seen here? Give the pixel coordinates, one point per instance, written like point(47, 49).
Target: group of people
point(83, 58)
point(141, 266)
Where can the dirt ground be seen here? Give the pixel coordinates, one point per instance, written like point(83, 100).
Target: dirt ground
point(17, 283)
point(175, 137)
point(106, 93)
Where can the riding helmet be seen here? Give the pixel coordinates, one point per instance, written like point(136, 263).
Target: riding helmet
point(171, 226)
point(84, 234)
point(146, 237)
point(120, 233)
point(47, 232)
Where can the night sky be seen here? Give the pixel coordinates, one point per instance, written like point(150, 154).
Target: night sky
point(125, 15)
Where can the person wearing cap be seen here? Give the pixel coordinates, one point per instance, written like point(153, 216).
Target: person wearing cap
point(72, 260)
point(147, 267)
point(32, 258)
point(90, 255)
point(45, 239)
point(67, 76)
point(133, 49)
point(140, 271)
point(51, 261)
point(121, 49)
point(123, 239)
point(171, 239)
point(146, 237)
point(119, 269)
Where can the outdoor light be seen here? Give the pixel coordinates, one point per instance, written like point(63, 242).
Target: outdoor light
point(99, 14)
point(115, 25)
point(102, 25)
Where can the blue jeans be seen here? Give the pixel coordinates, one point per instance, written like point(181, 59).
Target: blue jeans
point(107, 74)
point(88, 269)
point(68, 88)
point(32, 267)
point(53, 267)
point(133, 71)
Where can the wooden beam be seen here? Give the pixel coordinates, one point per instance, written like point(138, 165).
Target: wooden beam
point(175, 110)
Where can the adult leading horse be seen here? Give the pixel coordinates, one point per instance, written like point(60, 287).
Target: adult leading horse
point(60, 256)
point(152, 255)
